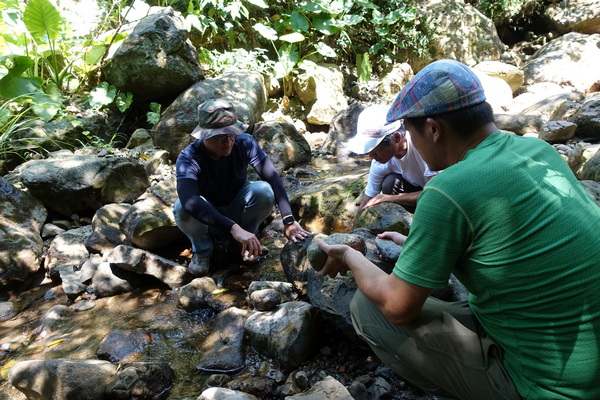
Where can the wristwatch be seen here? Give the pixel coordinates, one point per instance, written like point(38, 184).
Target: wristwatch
point(289, 220)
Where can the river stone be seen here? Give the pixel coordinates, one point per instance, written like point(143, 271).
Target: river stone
point(265, 299)
point(222, 350)
point(318, 257)
point(62, 378)
point(142, 380)
point(388, 249)
point(383, 217)
point(328, 388)
point(123, 346)
point(217, 393)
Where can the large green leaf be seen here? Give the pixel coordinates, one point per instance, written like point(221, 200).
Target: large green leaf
point(294, 37)
point(325, 50)
point(47, 105)
point(325, 25)
point(42, 19)
point(298, 22)
point(102, 95)
point(266, 31)
point(13, 84)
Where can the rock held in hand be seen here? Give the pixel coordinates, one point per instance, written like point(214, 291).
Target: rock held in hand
point(318, 257)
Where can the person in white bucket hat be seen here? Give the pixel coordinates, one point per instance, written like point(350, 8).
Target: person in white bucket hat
point(397, 173)
point(215, 196)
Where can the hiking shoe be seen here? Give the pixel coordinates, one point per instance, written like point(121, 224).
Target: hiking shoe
point(198, 266)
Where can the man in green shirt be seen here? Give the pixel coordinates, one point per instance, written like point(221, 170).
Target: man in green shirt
point(509, 219)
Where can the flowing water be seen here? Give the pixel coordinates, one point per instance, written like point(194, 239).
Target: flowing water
point(174, 335)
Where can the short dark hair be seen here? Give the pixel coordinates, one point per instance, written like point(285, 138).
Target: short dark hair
point(464, 122)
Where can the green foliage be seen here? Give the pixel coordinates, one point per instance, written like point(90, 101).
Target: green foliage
point(14, 122)
point(502, 11)
point(44, 57)
point(93, 141)
point(153, 116)
point(363, 67)
point(216, 62)
point(14, 84)
point(105, 94)
point(348, 31)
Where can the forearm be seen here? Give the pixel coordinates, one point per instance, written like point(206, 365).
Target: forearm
point(407, 199)
point(367, 275)
point(197, 206)
point(399, 301)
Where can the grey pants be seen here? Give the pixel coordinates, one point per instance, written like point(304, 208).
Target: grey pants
point(443, 351)
point(252, 205)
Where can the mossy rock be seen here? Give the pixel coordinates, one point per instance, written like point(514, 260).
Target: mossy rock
point(318, 257)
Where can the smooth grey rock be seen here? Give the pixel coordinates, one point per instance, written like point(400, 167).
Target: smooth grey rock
point(63, 379)
point(289, 333)
point(145, 263)
point(222, 350)
point(196, 294)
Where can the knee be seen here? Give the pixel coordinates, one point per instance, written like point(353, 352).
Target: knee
point(387, 186)
point(263, 194)
point(178, 211)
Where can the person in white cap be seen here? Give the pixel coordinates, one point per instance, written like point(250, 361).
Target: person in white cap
point(215, 196)
point(397, 173)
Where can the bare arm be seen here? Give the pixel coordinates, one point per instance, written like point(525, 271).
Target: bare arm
point(404, 199)
point(398, 300)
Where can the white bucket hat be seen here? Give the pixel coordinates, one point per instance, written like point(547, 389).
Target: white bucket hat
point(371, 129)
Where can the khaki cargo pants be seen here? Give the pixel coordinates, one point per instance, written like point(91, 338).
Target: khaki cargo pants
point(444, 351)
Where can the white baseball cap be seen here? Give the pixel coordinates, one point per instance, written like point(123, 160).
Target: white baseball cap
point(371, 129)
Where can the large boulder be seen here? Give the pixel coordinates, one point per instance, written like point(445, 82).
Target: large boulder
point(574, 16)
point(245, 89)
point(155, 60)
point(68, 183)
point(106, 232)
point(321, 90)
point(547, 100)
point(282, 142)
point(511, 74)
point(21, 246)
point(329, 205)
point(460, 32)
point(587, 118)
point(150, 225)
point(63, 379)
point(341, 129)
point(67, 252)
point(91, 379)
point(570, 60)
point(145, 263)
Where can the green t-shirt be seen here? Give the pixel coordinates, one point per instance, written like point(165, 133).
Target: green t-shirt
point(515, 226)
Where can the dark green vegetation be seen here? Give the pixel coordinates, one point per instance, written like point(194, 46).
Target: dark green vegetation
point(53, 56)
